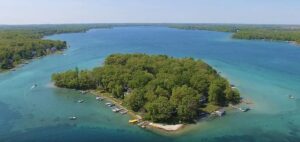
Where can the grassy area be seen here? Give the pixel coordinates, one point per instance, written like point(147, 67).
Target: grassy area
point(210, 108)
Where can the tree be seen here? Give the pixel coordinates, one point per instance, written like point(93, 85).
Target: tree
point(232, 96)
point(179, 93)
point(118, 91)
point(216, 94)
point(200, 83)
point(186, 100)
point(160, 110)
point(135, 100)
point(188, 108)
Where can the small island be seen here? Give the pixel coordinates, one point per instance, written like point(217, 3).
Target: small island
point(158, 88)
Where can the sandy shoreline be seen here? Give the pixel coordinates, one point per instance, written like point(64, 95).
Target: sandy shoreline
point(164, 127)
point(155, 127)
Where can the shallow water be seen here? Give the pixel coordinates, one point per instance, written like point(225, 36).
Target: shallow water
point(264, 72)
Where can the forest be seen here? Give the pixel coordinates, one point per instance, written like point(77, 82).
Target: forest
point(21, 43)
point(162, 88)
point(262, 32)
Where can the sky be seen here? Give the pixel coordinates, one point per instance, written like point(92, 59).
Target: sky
point(150, 11)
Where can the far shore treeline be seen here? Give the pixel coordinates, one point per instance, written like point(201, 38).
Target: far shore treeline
point(161, 88)
point(24, 42)
point(260, 32)
point(19, 43)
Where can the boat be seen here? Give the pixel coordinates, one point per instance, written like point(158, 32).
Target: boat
point(116, 109)
point(110, 104)
point(291, 97)
point(123, 112)
point(72, 117)
point(232, 86)
point(83, 92)
point(34, 86)
point(220, 112)
point(133, 121)
point(141, 123)
point(80, 101)
point(99, 98)
point(244, 109)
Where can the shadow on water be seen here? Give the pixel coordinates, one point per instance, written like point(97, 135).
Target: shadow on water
point(260, 137)
point(6, 117)
point(63, 133)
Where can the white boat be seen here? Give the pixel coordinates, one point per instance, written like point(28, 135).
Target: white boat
point(80, 101)
point(110, 104)
point(33, 86)
point(72, 117)
point(99, 98)
point(123, 112)
point(291, 97)
point(116, 109)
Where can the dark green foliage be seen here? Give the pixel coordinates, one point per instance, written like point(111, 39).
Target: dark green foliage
point(20, 43)
point(135, 100)
point(186, 100)
point(216, 93)
point(269, 34)
point(75, 79)
point(165, 89)
point(265, 32)
point(159, 110)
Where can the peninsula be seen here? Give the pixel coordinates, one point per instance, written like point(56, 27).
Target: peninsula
point(24, 42)
point(159, 88)
point(289, 33)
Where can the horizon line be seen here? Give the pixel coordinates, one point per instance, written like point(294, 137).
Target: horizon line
point(149, 23)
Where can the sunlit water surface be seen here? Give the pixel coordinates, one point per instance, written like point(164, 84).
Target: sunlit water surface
point(266, 73)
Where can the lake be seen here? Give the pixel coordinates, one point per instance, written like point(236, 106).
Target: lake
point(265, 72)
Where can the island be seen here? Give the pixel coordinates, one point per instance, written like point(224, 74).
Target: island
point(18, 44)
point(157, 88)
point(289, 33)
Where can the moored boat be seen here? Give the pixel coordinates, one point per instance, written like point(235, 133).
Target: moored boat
point(72, 117)
point(133, 121)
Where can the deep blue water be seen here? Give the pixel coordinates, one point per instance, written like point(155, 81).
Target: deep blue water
point(264, 72)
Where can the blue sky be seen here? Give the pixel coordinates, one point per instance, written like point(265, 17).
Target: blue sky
point(149, 11)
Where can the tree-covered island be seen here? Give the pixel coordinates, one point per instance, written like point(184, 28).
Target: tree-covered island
point(161, 88)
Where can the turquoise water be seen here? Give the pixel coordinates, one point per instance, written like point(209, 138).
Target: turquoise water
point(264, 72)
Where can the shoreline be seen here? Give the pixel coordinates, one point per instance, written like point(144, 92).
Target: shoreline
point(160, 128)
point(24, 62)
point(156, 127)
